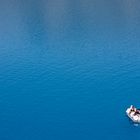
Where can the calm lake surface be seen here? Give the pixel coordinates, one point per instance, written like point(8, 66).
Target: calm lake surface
point(69, 69)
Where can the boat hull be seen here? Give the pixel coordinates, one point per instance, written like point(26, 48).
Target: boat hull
point(134, 117)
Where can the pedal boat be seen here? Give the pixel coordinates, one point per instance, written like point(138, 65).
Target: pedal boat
point(133, 114)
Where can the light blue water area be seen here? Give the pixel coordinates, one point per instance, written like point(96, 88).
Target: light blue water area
point(69, 69)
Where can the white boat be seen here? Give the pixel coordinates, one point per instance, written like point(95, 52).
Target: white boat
point(133, 114)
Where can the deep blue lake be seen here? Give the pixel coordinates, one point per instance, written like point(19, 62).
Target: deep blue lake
point(69, 69)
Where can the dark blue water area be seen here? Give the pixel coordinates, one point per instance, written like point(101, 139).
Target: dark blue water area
point(69, 69)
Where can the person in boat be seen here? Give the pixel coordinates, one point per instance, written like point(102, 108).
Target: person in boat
point(133, 108)
point(136, 111)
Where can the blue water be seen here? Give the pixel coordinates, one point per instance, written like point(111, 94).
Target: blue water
point(69, 69)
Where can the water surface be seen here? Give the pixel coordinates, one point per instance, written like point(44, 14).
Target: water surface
point(68, 69)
